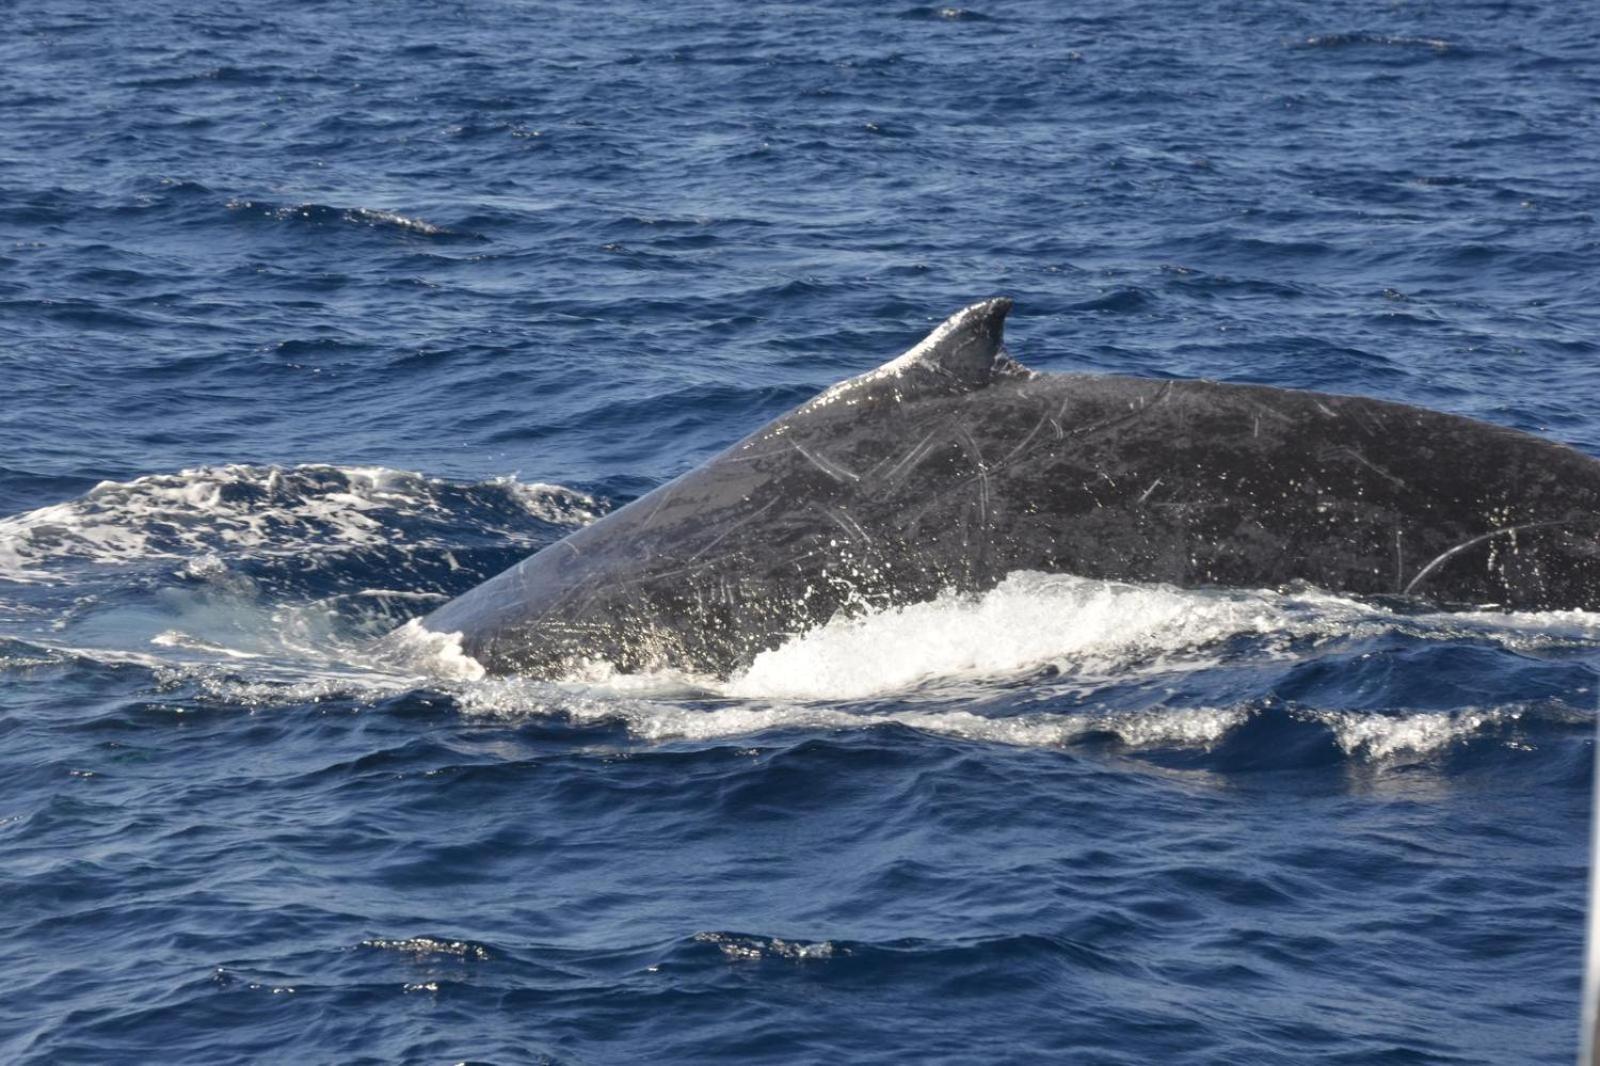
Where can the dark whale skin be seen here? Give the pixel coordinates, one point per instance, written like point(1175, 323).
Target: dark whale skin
point(953, 466)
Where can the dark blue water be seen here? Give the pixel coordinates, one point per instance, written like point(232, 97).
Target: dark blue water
point(315, 314)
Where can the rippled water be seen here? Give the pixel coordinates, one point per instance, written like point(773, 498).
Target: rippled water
point(314, 316)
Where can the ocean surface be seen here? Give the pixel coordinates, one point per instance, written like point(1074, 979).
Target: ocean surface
point(313, 315)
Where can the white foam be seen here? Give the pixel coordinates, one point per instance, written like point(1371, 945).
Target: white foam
point(438, 654)
point(1029, 621)
point(658, 714)
point(929, 653)
point(1517, 630)
point(929, 656)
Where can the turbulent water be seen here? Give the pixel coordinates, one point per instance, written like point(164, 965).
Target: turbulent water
point(313, 315)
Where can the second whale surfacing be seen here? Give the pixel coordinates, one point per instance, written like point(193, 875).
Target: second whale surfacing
point(954, 466)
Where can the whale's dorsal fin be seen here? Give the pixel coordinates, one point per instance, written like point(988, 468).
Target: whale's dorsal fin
point(967, 346)
point(964, 353)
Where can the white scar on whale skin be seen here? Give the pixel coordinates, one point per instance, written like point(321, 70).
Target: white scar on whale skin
point(911, 457)
point(832, 469)
point(1479, 539)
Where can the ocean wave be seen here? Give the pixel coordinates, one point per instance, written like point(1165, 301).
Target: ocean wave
point(1372, 40)
point(945, 14)
point(673, 709)
point(314, 214)
point(740, 947)
point(206, 515)
point(1387, 737)
point(1258, 730)
point(426, 947)
point(1198, 728)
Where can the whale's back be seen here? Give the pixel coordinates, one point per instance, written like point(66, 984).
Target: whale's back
point(953, 466)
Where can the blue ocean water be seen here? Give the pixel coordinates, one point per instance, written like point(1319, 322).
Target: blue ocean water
point(314, 314)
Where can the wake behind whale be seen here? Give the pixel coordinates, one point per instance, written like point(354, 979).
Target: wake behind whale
point(953, 466)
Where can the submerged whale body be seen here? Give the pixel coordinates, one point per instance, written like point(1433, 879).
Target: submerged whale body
point(953, 466)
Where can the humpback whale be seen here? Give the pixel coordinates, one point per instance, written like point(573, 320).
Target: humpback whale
point(954, 465)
